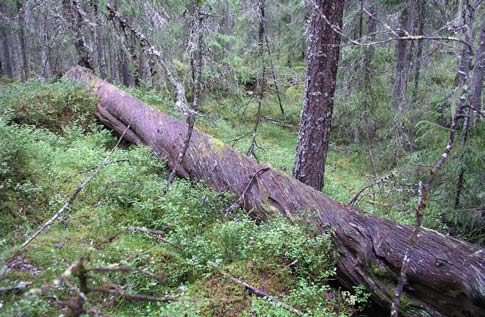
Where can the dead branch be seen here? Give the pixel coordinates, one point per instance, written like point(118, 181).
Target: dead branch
point(114, 289)
point(374, 183)
point(156, 233)
point(258, 292)
point(284, 268)
point(74, 195)
point(17, 288)
point(238, 202)
point(145, 230)
point(126, 269)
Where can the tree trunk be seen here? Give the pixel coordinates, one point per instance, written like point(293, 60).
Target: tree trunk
point(99, 37)
point(228, 24)
point(6, 66)
point(321, 74)
point(467, 52)
point(366, 84)
point(25, 73)
point(403, 50)
point(124, 68)
point(475, 96)
point(76, 23)
point(445, 276)
point(477, 79)
point(421, 15)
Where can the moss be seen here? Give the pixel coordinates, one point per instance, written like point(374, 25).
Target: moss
point(404, 304)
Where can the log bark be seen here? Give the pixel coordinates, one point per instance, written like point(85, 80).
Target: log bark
point(446, 276)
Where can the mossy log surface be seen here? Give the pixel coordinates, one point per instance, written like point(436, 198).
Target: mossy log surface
point(446, 276)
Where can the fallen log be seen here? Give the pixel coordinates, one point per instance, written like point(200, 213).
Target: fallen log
point(446, 276)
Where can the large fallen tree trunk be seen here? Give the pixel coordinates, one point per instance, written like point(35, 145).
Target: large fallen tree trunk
point(446, 276)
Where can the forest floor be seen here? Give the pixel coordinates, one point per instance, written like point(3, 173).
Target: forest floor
point(50, 143)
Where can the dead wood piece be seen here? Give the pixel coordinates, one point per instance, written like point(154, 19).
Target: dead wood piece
point(14, 289)
point(156, 233)
point(74, 195)
point(445, 275)
point(258, 292)
point(165, 299)
point(126, 269)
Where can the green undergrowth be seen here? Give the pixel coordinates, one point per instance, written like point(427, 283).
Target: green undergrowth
point(348, 167)
point(42, 162)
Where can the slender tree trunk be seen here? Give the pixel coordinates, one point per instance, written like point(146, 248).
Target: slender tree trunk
point(135, 63)
point(124, 69)
point(463, 78)
point(366, 83)
point(25, 73)
point(6, 66)
point(262, 36)
point(477, 79)
point(141, 66)
point(76, 24)
point(421, 10)
point(316, 117)
point(197, 29)
point(403, 49)
point(112, 58)
point(46, 49)
point(99, 38)
point(228, 23)
point(466, 53)
point(4, 33)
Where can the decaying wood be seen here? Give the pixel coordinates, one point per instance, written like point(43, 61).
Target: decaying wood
point(445, 277)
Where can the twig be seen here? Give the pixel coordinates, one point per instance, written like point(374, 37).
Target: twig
point(376, 182)
point(406, 37)
point(257, 291)
point(76, 193)
point(237, 203)
point(143, 229)
point(116, 290)
point(16, 288)
point(155, 233)
point(292, 264)
point(93, 168)
point(125, 269)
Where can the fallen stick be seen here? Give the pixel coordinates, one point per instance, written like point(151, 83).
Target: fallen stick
point(74, 195)
point(15, 289)
point(257, 291)
point(156, 233)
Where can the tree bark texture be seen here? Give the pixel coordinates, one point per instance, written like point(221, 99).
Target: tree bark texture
point(477, 78)
point(316, 117)
point(446, 276)
point(403, 55)
point(76, 24)
point(25, 74)
point(467, 51)
point(6, 66)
